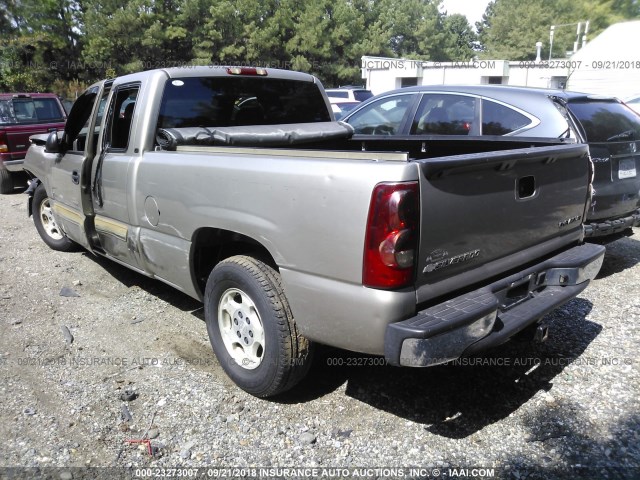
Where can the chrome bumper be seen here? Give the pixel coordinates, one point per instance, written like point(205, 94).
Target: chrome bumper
point(492, 314)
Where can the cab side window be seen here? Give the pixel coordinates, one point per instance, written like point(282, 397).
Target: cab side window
point(120, 117)
point(75, 134)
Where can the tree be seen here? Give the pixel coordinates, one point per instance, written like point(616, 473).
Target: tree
point(510, 29)
point(67, 43)
point(38, 39)
point(129, 36)
point(325, 40)
point(460, 39)
point(483, 27)
point(410, 29)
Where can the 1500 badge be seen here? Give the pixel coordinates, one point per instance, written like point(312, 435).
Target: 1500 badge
point(569, 221)
point(445, 262)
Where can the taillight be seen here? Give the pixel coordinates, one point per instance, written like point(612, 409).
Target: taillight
point(391, 240)
point(4, 145)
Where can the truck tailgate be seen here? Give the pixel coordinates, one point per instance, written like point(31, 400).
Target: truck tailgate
point(485, 214)
point(18, 136)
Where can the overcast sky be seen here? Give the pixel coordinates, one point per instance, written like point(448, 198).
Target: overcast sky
point(473, 9)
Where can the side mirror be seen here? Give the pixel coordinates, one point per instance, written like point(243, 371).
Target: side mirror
point(52, 145)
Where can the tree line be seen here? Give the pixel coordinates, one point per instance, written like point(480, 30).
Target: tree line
point(64, 45)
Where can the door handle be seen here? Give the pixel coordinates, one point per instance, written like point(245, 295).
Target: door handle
point(75, 177)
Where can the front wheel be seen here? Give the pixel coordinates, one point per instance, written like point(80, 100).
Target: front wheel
point(46, 224)
point(251, 327)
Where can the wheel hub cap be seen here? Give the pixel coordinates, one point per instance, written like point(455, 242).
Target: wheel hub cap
point(241, 328)
point(48, 222)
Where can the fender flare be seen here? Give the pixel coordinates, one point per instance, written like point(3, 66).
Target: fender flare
point(33, 184)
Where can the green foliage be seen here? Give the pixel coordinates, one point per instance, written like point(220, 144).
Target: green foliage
point(67, 44)
point(38, 38)
point(510, 28)
point(459, 38)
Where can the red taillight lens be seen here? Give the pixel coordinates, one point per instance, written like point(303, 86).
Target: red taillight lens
point(391, 239)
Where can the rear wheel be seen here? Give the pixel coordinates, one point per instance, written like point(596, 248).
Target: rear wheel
point(6, 181)
point(251, 328)
point(46, 224)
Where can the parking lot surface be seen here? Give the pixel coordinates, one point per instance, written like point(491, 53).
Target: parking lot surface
point(96, 359)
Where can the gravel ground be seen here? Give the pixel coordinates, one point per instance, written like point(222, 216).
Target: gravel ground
point(93, 355)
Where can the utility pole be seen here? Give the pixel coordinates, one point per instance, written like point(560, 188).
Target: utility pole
point(576, 44)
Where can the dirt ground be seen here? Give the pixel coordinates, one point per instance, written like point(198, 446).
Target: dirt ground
point(94, 357)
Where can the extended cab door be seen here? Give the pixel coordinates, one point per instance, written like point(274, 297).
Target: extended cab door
point(69, 179)
point(111, 176)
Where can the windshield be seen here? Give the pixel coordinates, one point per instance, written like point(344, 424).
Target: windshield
point(607, 121)
point(30, 110)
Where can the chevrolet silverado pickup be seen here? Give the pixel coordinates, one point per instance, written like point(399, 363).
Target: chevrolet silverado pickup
point(237, 187)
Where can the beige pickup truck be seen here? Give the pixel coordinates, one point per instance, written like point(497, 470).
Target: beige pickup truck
point(235, 186)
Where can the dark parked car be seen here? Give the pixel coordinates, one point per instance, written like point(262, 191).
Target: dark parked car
point(633, 103)
point(23, 115)
point(611, 129)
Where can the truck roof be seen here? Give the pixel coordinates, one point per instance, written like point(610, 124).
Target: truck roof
point(5, 96)
point(218, 71)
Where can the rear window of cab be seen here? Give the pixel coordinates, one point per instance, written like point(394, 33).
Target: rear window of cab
point(25, 110)
point(235, 101)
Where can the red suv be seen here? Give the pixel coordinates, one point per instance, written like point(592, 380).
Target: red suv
point(23, 115)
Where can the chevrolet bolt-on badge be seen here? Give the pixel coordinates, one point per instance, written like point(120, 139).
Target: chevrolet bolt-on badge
point(442, 262)
point(569, 221)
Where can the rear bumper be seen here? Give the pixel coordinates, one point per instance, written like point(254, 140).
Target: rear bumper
point(610, 227)
point(491, 315)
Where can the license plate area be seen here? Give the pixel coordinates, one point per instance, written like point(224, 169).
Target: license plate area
point(627, 168)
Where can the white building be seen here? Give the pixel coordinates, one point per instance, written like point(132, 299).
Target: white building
point(610, 63)
point(590, 70)
point(383, 74)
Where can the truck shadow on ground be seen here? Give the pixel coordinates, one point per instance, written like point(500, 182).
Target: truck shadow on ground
point(457, 399)
point(621, 254)
point(154, 287)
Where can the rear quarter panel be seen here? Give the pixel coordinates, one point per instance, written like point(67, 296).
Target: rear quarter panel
point(310, 214)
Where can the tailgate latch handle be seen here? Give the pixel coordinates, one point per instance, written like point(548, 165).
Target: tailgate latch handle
point(526, 187)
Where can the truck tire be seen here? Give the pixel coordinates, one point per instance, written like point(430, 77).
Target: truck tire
point(6, 181)
point(46, 225)
point(251, 327)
